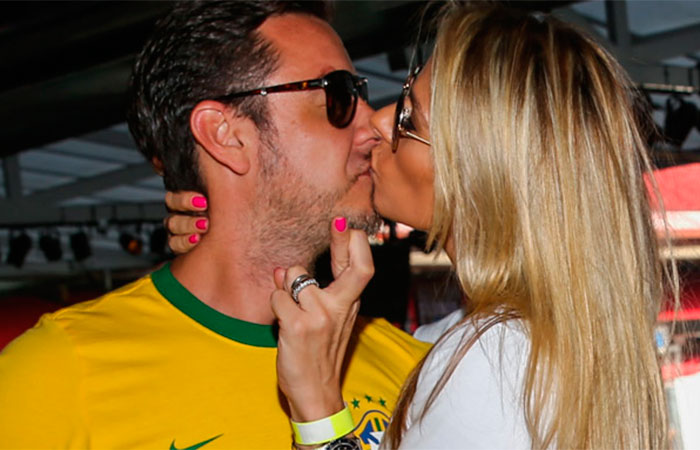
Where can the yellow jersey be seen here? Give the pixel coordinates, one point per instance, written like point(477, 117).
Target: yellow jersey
point(151, 366)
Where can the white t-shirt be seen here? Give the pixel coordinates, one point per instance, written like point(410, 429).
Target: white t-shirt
point(480, 407)
point(431, 332)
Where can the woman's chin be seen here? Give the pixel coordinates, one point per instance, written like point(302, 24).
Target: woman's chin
point(387, 212)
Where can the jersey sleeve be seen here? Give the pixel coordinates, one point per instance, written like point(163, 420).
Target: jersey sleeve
point(40, 391)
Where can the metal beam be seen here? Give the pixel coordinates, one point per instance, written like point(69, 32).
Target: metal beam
point(111, 137)
point(67, 106)
point(24, 215)
point(13, 177)
point(126, 175)
point(667, 45)
point(48, 42)
point(618, 25)
point(100, 260)
point(664, 75)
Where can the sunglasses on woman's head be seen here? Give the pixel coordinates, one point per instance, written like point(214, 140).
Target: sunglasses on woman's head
point(342, 89)
point(402, 117)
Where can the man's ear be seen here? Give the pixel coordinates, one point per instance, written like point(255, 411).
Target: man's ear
point(226, 137)
point(157, 165)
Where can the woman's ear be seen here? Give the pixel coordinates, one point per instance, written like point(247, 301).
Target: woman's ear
point(227, 138)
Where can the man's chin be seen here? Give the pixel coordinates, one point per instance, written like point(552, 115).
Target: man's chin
point(369, 222)
point(357, 206)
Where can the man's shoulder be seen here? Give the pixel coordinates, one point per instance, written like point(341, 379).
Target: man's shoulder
point(128, 296)
point(94, 317)
point(41, 346)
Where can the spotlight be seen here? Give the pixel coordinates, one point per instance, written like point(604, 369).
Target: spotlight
point(681, 116)
point(50, 245)
point(131, 244)
point(80, 245)
point(158, 241)
point(19, 247)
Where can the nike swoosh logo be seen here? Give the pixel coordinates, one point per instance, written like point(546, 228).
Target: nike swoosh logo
point(195, 446)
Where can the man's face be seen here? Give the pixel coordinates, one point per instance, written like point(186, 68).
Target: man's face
point(318, 171)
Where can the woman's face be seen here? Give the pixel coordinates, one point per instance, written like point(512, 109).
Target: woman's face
point(403, 181)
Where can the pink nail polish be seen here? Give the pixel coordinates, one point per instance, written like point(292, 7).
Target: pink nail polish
point(199, 202)
point(201, 224)
point(194, 238)
point(340, 224)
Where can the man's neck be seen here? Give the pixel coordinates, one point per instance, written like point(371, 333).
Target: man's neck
point(232, 276)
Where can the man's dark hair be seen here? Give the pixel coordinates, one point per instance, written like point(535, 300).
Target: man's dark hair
point(201, 50)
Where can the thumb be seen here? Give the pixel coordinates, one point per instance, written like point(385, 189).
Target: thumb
point(359, 270)
point(340, 239)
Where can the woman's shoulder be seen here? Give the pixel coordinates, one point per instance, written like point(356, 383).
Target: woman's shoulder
point(431, 332)
point(492, 368)
point(509, 337)
point(482, 397)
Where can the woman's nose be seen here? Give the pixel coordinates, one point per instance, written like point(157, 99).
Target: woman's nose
point(382, 121)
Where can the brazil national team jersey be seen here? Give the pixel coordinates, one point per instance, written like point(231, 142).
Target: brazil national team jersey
point(151, 366)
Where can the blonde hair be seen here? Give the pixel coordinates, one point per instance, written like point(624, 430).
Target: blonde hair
point(539, 164)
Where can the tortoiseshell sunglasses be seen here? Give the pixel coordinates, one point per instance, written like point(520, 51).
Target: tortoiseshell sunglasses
point(342, 89)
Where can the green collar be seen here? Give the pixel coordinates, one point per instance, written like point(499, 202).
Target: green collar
point(235, 329)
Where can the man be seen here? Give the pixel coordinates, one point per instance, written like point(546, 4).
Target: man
point(185, 358)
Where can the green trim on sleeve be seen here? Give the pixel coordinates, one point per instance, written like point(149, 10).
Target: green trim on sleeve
point(238, 330)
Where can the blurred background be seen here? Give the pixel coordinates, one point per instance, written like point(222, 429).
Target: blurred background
point(81, 211)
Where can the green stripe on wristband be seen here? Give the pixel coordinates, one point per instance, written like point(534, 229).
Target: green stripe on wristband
point(323, 430)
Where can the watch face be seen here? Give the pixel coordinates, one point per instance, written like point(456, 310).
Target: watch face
point(344, 443)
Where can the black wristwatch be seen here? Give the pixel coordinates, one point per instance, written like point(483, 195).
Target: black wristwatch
point(343, 443)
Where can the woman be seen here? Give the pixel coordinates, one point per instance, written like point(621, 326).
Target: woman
point(518, 149)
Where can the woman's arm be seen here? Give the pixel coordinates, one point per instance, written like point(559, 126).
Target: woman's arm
point(187, 220)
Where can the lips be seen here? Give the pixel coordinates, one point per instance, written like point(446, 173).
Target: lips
point(364, 169)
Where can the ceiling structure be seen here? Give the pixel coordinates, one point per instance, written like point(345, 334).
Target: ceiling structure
point(67, 157)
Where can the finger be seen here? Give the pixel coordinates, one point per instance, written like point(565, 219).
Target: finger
point(183, 243)
point(178, 224)
point(292, 274)
point(340, 239)
point(278, 275)
point(185, 201)
point(359, 271)
point(305, 294)
point(283, 307)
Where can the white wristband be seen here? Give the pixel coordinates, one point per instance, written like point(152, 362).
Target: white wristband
point(324, 430)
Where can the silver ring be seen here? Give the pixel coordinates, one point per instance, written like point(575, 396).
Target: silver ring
point(301, 282)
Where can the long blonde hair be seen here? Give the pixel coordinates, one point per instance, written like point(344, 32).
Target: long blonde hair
point(539, 164)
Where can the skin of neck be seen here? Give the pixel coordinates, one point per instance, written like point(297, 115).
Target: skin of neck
point(231, 269)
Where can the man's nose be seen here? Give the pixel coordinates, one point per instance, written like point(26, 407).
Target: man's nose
point(364, 132)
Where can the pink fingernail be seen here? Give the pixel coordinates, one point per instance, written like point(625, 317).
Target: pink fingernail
point(194, 238)
point(340, 224)
point(199, 202)
point(201, 224)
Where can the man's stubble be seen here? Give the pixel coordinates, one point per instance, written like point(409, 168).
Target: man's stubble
point(292, 217)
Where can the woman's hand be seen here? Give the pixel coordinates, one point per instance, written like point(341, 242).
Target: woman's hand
point(314, 334)
point(185, 229)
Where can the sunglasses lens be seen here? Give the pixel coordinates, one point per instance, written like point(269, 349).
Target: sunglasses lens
point(341, 98)
point(397, 122)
